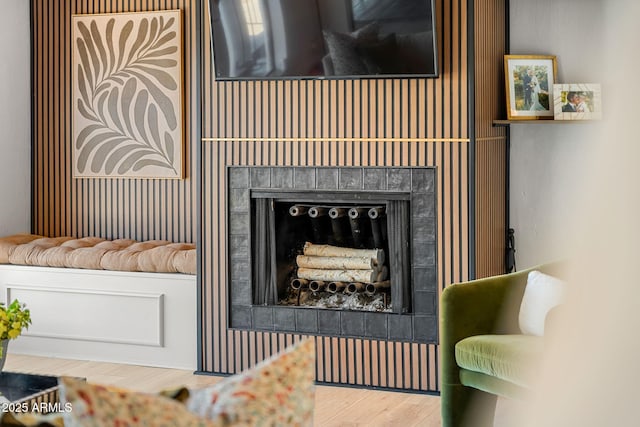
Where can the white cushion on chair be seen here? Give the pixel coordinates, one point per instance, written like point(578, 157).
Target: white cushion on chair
point(542, 293)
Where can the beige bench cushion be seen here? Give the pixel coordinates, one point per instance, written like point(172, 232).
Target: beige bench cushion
point(157, 256)
point(8, 244)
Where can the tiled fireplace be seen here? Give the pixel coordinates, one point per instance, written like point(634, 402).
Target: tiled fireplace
point(372, 230)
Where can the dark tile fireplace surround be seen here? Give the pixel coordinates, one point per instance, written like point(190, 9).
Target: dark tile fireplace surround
point(263, 242)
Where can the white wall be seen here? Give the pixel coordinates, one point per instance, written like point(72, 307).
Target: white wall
point(15, 121)
point(590, 375)
point(550, 163)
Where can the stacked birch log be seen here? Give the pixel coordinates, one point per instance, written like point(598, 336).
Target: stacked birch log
point(334, 268)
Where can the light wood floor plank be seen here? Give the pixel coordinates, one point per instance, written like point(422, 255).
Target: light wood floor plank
point(335, 406)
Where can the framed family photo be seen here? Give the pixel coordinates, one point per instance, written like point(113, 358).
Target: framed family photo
point(577, 101)
point(529, 86)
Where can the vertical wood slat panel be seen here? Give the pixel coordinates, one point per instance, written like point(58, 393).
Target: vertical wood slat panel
point(166, 209)
point(491, 141)
point(111, 208)
point(333, 112)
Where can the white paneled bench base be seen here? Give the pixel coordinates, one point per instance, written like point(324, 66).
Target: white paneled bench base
point(113, 316)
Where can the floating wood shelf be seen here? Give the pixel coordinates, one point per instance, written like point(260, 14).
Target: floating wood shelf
point(538, 122)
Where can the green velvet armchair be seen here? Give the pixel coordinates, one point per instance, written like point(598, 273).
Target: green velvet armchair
point(481, 318)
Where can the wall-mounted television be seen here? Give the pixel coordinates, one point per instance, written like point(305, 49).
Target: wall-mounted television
point(292, 39)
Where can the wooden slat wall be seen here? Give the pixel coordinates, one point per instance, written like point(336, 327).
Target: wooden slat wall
point(140, 209)
point(334, 123)
point(358, 122)
point(490, 141)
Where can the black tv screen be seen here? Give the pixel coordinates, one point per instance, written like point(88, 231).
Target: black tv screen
point(289, 39)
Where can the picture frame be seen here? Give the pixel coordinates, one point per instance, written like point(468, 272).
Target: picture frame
point(529, 83)
point(128, 95)
point(577, 101)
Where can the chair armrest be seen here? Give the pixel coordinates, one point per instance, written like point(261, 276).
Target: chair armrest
point(483, 306)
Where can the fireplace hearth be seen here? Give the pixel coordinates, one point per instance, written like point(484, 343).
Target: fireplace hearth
point(342, 251)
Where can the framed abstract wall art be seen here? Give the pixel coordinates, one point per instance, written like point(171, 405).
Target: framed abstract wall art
point(128, 95)
point(529, 86)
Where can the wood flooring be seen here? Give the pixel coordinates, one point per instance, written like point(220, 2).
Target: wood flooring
point(335, 406)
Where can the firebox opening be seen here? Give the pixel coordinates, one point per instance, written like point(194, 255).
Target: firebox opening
point(345, 251)
point(333, 255)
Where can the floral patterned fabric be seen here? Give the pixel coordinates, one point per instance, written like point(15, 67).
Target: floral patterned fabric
point(98, 406)
point(277, 392)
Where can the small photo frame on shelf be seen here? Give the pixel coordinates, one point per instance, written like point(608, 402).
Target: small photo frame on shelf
point(529, 86)
point(577, 101)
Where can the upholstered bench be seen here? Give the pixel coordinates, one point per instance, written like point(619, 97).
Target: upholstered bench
point(108, 300)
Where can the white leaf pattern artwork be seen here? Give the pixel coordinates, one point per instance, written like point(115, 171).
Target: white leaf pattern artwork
point(127, 95)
